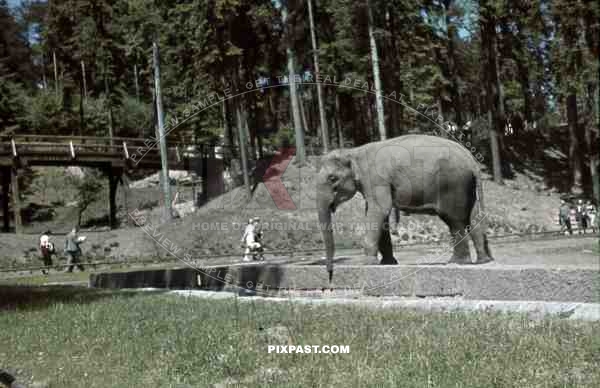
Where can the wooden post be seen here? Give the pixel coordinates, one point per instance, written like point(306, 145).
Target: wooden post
point(161, 132)
point(16, 199)
point(5, 197)
point(114, 175)
point(125, 185)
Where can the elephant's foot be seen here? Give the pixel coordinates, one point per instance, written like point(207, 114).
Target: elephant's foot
point(483, 260)
point(460, 260)
point(389, 261)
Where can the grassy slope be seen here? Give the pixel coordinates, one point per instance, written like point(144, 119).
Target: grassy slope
point(98, 339)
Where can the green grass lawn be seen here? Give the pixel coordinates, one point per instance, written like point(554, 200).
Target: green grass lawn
point(90, 338)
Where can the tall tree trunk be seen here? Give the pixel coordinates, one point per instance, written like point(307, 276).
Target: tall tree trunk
point(81, 111)
point(376, 76)
point(55, 72)
point(228, 132)
point(137, 85)
point(298, 130)
point(108, 104)
point(324, 130)
point(370, 128)
point(242, 143)
point(575, 159)
point(396, 109)
point(302, 111)
point(249, 133)
point(44, 81)
point(595, 163)
point(338, 121)
point(272, 110)
point(591, 138)
point(454, 89)
point(84, 79)
point(361, 130)
point(493, 94)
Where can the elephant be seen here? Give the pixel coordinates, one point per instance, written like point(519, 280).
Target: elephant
point(413, 174)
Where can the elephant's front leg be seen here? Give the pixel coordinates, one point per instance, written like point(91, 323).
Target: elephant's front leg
point(377, 237)
point(385, 244)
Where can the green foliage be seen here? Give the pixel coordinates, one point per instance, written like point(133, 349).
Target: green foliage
point(284, 137)
point(48, 185)
point(88, 190)
point(132, 117)
point(12, 104)
point(430, 52)
point(44, 113)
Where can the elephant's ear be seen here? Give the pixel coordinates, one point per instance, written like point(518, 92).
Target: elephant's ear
point(349, 163)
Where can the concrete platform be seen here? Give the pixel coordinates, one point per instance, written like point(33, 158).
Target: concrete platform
point(534, 310)
point(486, 282)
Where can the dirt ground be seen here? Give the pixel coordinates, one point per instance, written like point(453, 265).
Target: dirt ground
point(560, 253)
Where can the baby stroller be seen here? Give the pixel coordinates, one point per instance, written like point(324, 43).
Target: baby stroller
point(258, 250)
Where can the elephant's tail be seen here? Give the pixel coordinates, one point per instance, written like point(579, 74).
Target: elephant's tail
point(477, 211)
point(478, 214)
point(479, 193)
point(479, 222)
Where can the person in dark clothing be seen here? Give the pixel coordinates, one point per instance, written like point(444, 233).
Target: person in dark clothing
point(564, 217)
point(72, 250)
point(581, 216)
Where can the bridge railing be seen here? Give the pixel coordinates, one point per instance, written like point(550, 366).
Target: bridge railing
point(75, 145)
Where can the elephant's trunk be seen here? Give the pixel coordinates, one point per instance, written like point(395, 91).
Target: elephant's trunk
point(325, 223)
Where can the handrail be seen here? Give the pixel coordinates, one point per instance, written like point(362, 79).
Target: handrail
point(31, 139)
point(83, 145)
point(133, 142)
point(66, 137)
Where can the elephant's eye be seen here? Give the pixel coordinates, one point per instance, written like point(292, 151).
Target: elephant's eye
point(332, 178)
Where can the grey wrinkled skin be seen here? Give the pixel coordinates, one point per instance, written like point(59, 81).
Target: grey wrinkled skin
point(413, 173)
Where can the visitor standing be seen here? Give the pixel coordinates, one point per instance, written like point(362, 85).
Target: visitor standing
point(47, 250)
point(581, 217)
point(73, 250)
point(590, 211)
point(564, 217)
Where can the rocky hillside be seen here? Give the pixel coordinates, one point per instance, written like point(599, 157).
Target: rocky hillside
point(522, 204)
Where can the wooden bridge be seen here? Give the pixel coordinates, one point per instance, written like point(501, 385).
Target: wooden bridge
point(43, 150)
point(113, 155)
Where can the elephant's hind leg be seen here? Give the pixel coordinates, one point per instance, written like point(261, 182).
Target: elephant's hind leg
point(385, 245)
point(481, 244)
point(460, 254)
